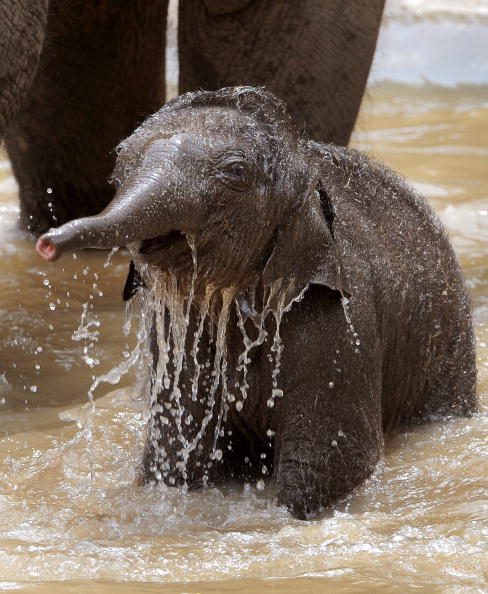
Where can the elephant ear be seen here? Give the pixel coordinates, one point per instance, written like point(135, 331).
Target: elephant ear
point(305, 247)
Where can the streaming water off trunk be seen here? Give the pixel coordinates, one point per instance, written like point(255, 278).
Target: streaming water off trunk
point(72, 518)
point(183, 337)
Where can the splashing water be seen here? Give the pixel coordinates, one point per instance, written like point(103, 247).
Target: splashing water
point(183, 341)
point(84, 329)
point(88, 331)
point(108, 261)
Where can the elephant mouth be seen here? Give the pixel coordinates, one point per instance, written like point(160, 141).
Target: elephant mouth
point(170, 243)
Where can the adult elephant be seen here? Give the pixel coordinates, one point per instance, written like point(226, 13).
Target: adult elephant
point(77, 76)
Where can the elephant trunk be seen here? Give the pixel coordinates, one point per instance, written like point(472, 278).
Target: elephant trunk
point(148, 205)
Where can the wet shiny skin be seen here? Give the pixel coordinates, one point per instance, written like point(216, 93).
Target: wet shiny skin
point(70, 510)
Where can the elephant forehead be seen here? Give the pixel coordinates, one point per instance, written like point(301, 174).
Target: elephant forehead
point(193, 147)
point(212, 119)
point(215, 124)
point(172, 146)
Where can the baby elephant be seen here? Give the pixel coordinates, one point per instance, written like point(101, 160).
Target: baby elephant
point(304, 302)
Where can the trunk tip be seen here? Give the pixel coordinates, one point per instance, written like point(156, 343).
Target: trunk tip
point(46, 249)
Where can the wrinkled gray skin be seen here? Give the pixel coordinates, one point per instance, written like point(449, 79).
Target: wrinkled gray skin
point(76, 77)
point(262, 203)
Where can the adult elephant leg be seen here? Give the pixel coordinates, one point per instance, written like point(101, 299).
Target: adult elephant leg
point(101, 72)
point(330, 434)
point(314, 54)
point(22, 30)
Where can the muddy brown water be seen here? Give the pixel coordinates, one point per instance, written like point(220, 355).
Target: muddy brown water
point(71, 518)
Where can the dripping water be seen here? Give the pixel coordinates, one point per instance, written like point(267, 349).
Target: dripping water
point(355, 340)
point(191, 331)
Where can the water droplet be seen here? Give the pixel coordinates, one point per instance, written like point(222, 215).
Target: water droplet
point(331, 385)
point(52, 306)
point(277, 393)
point(345, 307)
point(260, 485)
point(270, 403)
point(33, 388)
point(49, 191)
point(239, 405)
point(333, 443)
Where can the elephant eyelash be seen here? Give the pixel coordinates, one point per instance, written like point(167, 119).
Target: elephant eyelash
point(236, 170)
point(233, 172)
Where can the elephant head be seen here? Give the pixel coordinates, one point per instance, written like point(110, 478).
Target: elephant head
point(228, 169)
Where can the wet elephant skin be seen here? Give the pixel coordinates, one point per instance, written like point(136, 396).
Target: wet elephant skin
point(382, 336)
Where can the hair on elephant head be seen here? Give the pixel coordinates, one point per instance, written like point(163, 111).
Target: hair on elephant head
point(299, 289)
point(228, 169)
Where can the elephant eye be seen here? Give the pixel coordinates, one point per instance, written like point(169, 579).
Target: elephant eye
point(232, 169)
point(235, 170)
point(233, 173)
